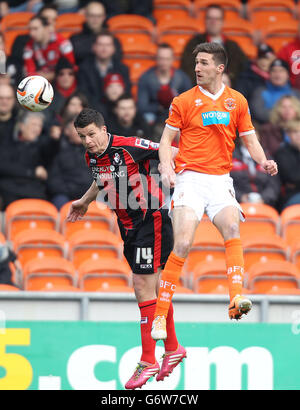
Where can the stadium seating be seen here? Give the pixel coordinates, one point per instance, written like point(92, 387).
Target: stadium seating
point(210, 277)
point(15, 21)
point(261, 248)
point(290, 223)
point(29, 214)
point(262, 276)
point(50, 287)
point(137, 67)
point(295, 252)
point(69, 23)
point(205, 249)
point(2, 238)
point(241, 31)
point(93, 274)
point(95, 244)
point(39, 243)
point(264, 13)
point(8, 288)
point(167, 10)
point(260, 219)
point(279, 34)
point(98, 216)
point(232, 8)
point(38, 273)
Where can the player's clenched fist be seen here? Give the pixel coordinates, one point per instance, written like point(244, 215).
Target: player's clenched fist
point(271, 167)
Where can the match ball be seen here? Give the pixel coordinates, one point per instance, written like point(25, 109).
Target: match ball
point(35, 93)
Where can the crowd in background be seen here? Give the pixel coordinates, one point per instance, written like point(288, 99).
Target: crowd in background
point(41, 155)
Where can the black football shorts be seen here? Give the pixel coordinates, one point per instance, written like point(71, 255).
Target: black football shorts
point(147, 247)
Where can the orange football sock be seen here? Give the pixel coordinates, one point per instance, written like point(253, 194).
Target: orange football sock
point(235, 266)
point(169, 280)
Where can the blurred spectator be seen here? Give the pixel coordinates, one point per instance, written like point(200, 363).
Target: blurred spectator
point(65, 84)
point(8, 114)
point(273, 133)
point(288, 160)
point(17, 51)
point(13, 6)
point(67, 6)
point(24, 162)
point(45, 48)
point(93, 71)
point(12, 69)
point(214, 22)
point(264, 98)
point(114, 87)
point(159, 85)
point(127, 121)
point(251, 182)
point(144, 7)
point(257, 72)
point(95, 22)
point(291, 54)
point(6, 257)
point(69, 177)
point(226, 80)
point(73, 105)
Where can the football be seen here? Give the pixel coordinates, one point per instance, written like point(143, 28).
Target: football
point(35, 93)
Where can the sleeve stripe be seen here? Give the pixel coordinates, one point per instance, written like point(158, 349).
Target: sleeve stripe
point(241, 134)
point(172, 128)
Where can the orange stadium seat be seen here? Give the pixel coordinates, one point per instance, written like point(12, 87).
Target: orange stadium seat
point(167, 10)
point(92, 274)
point(10, 36)
point(14, 21)
point(281, 33)
point(262, 276)
point(264, 13)
point(2, 238)
point(260, 219)
point(29, 214)
point(38, 273)
point(290, 223)
point(232, 8)
point(262, 248)
point(107, 287)
point(137, 66)
point(136, 45)
point(210, 276)
point(69, 22)
point(8, 288)
point(205, 249)
point(129, 23)
point(241, 31)
point(38, 243)
point(183, 290)
point(295, 252)
point(98, 216)
point(275, 290)
point(52, 287)
point(95, 244)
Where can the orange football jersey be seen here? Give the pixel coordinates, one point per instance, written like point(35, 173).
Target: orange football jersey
point(208, 126)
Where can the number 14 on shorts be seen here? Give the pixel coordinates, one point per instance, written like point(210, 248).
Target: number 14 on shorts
point(144, 255)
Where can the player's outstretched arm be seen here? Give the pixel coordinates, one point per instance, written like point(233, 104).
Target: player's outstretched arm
point(257, 153)
point(79, 208)
point(166, 156)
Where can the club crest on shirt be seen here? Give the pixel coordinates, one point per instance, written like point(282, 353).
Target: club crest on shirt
point(198, 102)
point(117, 159)
point(230, 104)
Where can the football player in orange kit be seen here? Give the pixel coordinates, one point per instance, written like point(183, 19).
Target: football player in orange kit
point(208, 118)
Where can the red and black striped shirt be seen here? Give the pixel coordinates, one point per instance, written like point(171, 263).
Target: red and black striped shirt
point(122, 173)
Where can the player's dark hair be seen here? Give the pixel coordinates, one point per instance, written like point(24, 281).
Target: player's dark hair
point(216, 49)
point(42, 19)
point(215, 6)
point(89, 116)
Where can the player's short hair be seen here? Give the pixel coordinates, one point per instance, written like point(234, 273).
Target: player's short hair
point(89, 116)
point(216, 49)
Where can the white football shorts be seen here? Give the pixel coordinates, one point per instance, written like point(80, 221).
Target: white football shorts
point(204, 193)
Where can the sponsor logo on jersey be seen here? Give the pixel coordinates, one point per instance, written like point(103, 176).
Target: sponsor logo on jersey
point(215, 117)
point(142, 143)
